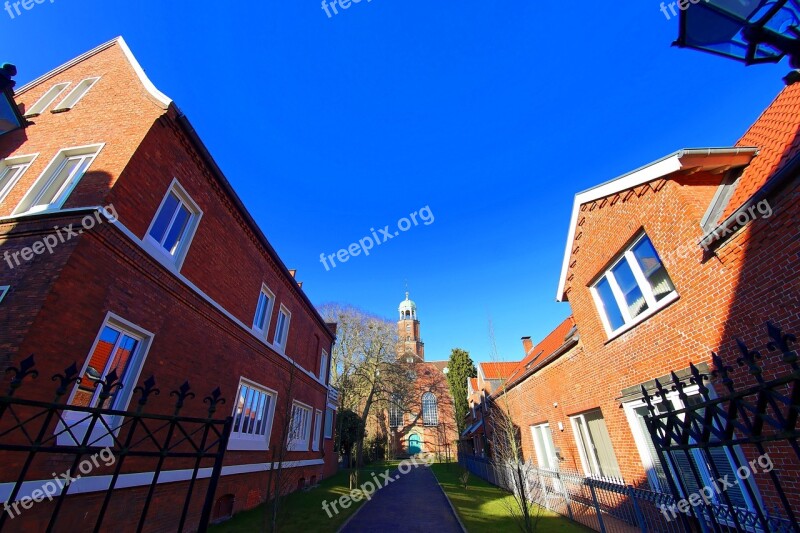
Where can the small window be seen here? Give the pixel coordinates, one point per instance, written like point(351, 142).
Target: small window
point(300, 427)
point(544, 447)
point(175, 223)
point(317, 430)
point(54, 186)
point(329, 413)
point(323, 367)
point(594, 445)
point(44, 102)
point(395, 411)
point(430, 409)
point(11, 170)
point(635, 287)
point(3, 291)
point(263, 310)
point(282, 328)
point(77, 93)
point(252, 417)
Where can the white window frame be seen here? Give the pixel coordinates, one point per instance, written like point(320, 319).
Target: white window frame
point(46, 99)
point(653, 306)
point(22, 163)
point(265, 291)
point(332, 411)
point(323, 367)
point(179, 256)
point(300, 443)
point(647, 460)
point(435, 413)
point(4, 291)
point(83, 85)
point(246, 441)
point(545, 454)
point(280, 344)
point(317, 430)
point(589, 464)
point(25, 205)
point(76, 420)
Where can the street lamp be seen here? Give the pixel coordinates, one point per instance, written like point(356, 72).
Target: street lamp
point(10, 118)
point(751, 31)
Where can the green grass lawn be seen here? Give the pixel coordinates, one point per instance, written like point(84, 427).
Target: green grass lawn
point(302, 512)
point(483, 507)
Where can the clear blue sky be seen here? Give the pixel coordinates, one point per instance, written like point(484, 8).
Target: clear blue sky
point(492, 115)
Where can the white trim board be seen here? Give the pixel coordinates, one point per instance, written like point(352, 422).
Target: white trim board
point(686, 159)
point(86, 485)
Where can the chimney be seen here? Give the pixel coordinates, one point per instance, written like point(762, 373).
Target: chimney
point(527, 345)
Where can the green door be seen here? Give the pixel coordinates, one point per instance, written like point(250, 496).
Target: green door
point(414, 444)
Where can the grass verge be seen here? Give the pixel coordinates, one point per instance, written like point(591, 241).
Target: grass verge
point(301, 512)
point(483, 507)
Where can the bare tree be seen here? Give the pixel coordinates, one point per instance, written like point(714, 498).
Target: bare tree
point(507, 457)
point(278, 483)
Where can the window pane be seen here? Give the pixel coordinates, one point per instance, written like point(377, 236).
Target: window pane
point(164, 217)
point(96, 367)
point(610, 306)
point(121, 363)
point(175, 235)
point(601, 442)
point(8, 175)
point(653, 269)
point(328, 423)
point(63, 173)
point(630, 288)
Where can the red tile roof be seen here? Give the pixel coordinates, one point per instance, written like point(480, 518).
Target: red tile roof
point(554, 340)
point(775, 133)
point(498, 370)
point(473, 384)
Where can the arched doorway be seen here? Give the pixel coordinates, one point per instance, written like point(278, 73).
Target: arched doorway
point(414, 444)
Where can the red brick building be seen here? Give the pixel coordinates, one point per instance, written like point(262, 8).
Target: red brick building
point(163, 272)
point(427, 423)
point(664, 266)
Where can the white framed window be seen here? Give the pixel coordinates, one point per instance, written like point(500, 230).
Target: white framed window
point(3, 291)
point(75, 95)
point(430, 409)
point(58, 180)
point(120, 347)
point(252, 416)
point(317, 430)
point(300, 427)
point(47, 98)
point(323, 367)
point(395, 411)
point(282, 328)
point(594, 445)
point(329, 414)
point(544, 447)
point(266, 300)
point(175, 224)
point(698, 459)
point(11, 170)
point(633, 288)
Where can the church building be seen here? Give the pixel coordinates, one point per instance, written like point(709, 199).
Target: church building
point(423, 421)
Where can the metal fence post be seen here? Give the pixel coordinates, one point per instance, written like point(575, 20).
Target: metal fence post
point(566, 495)
point(596, 506)
point(636, 509)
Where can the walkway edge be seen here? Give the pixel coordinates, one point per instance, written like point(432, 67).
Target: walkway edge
point(452, 507)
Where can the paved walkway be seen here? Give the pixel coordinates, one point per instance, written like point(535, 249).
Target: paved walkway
point(414, 502)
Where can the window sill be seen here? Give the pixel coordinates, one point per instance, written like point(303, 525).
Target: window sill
point(248, 445)
point(663, 304)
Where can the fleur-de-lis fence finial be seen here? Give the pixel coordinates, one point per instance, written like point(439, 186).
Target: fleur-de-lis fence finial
point(214, 400)
point(780, 341)
point(66, 380)
point(26, 368)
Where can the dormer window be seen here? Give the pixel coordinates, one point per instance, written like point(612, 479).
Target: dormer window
point(633, 288)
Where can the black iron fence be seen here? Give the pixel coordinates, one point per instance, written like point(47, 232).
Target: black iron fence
point(111, 445)
point(712, 443)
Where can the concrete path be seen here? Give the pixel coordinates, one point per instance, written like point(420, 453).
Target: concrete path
point(414, 502)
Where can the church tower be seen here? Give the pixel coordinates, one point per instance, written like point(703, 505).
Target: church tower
point(411, 345)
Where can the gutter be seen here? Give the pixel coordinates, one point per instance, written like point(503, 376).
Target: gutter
point(183, 121)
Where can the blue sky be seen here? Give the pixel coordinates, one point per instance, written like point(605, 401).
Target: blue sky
point(494, 116)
